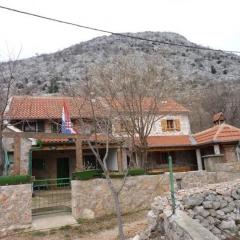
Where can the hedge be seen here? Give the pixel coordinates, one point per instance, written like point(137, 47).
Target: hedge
point(87, 174)
point(14, 180)
point(136, 171)
point(91, 174)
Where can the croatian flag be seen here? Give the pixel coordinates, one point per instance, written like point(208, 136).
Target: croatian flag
point(66, 121)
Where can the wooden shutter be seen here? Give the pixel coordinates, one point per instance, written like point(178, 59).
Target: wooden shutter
point(164, 125)
point(177, 125)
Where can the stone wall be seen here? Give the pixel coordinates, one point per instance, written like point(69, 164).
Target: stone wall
point(216, 207)
point(162, 224)
point(15, 207)
point(92, 198)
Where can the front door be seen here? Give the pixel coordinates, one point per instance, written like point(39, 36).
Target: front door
point(63, 170)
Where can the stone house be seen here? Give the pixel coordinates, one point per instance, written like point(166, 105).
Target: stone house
point(218, 144)
point(59, 157)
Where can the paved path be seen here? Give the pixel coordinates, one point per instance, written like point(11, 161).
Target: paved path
point(55, 220)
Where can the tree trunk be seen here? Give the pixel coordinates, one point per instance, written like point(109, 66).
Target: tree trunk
point(119, 216)
point(145, 158)
point(117, 208)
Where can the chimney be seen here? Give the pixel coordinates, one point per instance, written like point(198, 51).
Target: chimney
point(218, 118)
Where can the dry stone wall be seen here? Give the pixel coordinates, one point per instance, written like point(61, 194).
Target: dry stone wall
point(15, 207)
point(216, 207)
point(162, 224)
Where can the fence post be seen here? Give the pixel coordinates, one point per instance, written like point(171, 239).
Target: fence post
point(171, 183)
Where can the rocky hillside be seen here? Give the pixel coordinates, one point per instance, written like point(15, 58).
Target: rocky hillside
point(47, 73)
point(186, 68)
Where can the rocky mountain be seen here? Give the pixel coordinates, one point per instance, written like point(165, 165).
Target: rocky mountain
point(194, 68)
point(187, 68)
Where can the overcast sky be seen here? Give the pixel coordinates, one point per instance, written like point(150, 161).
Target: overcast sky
point(214, 23)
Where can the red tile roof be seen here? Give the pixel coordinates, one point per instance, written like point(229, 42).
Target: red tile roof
point(166, 106)
point(50, 107)
point(28, 107)
point(170, 141)
point(219, 133)
point(100, 138)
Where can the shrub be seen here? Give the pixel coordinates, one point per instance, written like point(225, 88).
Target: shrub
point(14, 180)
point(87, 174)
point(213, 70)
point(136, 171)
point(116, 175)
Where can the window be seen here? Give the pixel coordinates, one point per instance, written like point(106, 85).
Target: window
point(55, 127)
point(33, 126)
point(10, 157)
point(162, 158)
point(29, 127)
point(170, 125)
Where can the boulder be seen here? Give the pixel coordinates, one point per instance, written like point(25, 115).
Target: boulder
point(207, 204)
point(227, 225)
point(193, 200)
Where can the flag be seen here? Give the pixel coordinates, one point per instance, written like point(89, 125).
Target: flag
point(66, 121)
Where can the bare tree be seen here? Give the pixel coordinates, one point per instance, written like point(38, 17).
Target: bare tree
point(7, 82)
point(99, 136)
point(134, 94)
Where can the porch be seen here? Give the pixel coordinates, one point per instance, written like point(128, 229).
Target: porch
point(183, 160)
point(58, 164)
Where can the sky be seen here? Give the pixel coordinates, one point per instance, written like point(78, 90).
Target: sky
point(212, 23)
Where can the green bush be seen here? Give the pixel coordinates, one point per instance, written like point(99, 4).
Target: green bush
point(87, 174)
point(14, 180)
point(116, 175)
point(136, 171)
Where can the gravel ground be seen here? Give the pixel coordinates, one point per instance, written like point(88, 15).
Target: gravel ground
point(102, 228)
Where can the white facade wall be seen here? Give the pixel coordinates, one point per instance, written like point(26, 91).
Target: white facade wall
point(185, 128)
point(112, 163)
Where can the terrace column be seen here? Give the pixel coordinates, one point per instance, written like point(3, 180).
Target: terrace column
point(120, 159)
point(199, 159)
point(216, 149)
point(79, 155)
point(17, 155)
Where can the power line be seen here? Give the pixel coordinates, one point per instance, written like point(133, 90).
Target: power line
point(114, 33)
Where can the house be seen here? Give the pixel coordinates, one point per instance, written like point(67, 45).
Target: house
point(219, 143)
point(57, 157)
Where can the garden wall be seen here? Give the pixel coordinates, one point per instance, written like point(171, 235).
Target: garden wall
point(92, 198)
point(15, 207)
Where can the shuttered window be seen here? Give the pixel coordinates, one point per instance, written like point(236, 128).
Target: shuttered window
point(170, 125)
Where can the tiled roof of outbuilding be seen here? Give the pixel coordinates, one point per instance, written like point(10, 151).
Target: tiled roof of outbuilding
point(170, 141)
point(219, 133)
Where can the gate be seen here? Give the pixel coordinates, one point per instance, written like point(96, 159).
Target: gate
point(51, 196)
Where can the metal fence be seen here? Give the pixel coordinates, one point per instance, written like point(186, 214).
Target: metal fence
point(51, 195)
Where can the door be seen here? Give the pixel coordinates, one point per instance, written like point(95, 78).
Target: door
point(63, 171)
